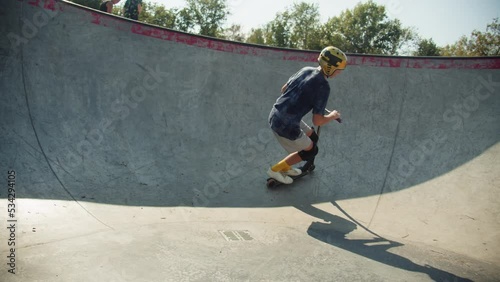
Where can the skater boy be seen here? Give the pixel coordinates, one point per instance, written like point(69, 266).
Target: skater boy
point(306, 90)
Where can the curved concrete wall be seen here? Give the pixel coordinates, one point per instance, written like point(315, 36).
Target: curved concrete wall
point(101, 109)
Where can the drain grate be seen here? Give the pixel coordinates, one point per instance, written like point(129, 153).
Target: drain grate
point(236, 235)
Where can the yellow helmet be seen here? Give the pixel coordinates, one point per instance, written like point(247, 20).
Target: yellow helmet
point(332, 59)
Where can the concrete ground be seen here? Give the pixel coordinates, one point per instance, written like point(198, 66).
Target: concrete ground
point(134, 153)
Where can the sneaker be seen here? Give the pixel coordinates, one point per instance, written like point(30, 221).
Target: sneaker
point(280, 176)
point(293, 172)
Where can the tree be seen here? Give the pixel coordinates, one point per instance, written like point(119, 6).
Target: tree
point(305, 21)
point(234, 33)
point(331, 36)
point(256, 36)
point(478, 44)
point(459, 48)
point(367, 29)
point(278, 32)
point(296, 27)
point(427, 47)
point(157, 14)
point(487, 43)
point(204, 17)
point(117, 10)
point(185, 22)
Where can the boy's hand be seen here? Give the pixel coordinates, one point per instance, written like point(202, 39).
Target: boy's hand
point(321, 119)
point(334, 115)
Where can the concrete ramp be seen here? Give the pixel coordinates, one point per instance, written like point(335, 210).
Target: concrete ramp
point(135, 153)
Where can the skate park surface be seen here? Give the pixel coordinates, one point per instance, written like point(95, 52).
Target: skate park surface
point(140, 154)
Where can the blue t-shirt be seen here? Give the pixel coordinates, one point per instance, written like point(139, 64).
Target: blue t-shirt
point(306, 90)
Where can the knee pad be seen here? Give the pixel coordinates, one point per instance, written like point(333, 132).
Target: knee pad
point(309, 155)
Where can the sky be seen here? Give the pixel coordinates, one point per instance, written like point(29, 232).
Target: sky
point(445, 21)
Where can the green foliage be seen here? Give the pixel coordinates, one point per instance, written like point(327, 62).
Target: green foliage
point(234, 33)
point(185, 22)
point(297, 27)
point(305, 24)
point(256, 36)
point(478, 44)
point(364, 29)
point(367, 30)
point(278, 31)
point(205, 16)
point(487, 43)
point(330, 35)
point(117, 10)
point(427, 47)
point(157, 14)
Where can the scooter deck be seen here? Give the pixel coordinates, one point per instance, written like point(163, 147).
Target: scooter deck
point(306, 169)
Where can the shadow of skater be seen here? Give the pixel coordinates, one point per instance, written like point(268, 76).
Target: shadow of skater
point(334, 233)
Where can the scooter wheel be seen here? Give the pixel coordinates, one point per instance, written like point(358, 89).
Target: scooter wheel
point(271, 183)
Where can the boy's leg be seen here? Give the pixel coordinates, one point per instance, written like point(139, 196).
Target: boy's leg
point(283, 169)
point(304, 143)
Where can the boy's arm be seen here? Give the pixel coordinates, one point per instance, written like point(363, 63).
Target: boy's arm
point(319, 119)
